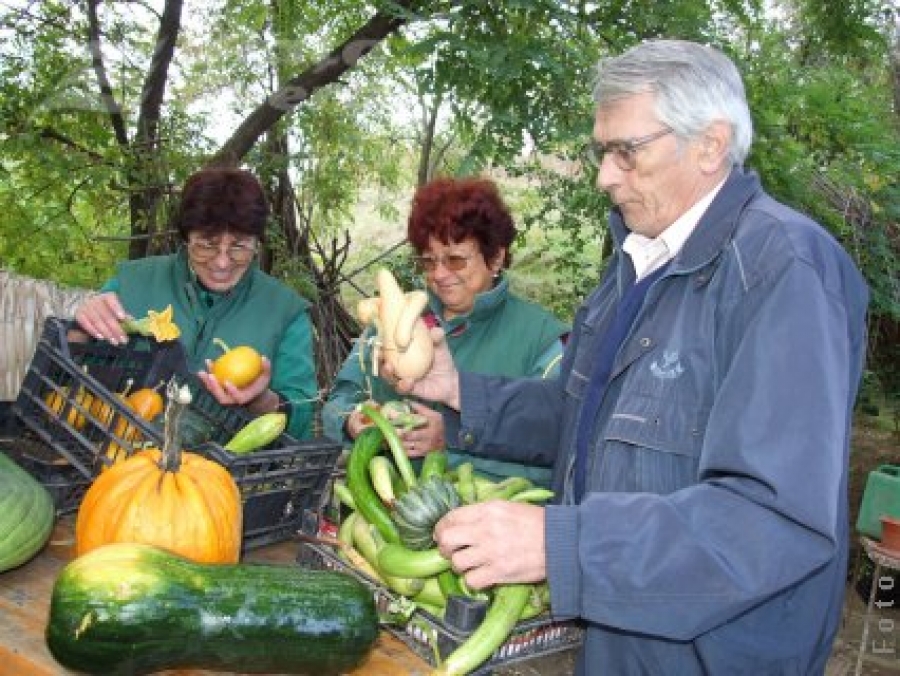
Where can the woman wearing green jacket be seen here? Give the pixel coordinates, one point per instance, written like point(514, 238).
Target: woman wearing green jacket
point(461, 232)
point(217, 290)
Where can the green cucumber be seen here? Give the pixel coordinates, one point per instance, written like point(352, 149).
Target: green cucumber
point(365, 447)
point(136, 609)
point(506, 489)
point(533, 495)
point(395, 559)
point(404, 466)
point(431, 594)
point(259, 432)
point(384, 477)
point(342, 493)
point(367, 544)
point(465, 483)
point(433, 464)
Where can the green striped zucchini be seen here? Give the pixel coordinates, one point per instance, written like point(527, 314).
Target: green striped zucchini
point(135, 609)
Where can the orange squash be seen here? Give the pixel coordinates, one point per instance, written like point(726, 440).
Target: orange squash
point(57, 402)
point(147, 403)
point(240, 365)
point(172, 499)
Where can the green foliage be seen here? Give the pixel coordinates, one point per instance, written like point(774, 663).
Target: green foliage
point(827, 144)
point(507, 83)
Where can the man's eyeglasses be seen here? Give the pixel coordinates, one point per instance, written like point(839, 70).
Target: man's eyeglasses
point(203, 251)
point(624, 153)
point(453, 262)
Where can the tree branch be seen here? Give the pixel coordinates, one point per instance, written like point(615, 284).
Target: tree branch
point(106, 92)
point(155, 83)
point(53, 135)
point(301, 87)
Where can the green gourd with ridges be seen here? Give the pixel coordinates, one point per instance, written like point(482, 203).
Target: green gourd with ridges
point(135, 609)
point(27, 515)
point(417, 511)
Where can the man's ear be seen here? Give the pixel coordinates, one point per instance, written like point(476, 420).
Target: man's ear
point(713, 146)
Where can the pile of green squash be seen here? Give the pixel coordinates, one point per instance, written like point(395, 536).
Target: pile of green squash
point(387, 535)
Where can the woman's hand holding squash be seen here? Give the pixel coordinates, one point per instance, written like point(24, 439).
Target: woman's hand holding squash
point(253, 395)
point(424, 438)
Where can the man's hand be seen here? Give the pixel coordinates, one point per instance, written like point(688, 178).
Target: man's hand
point(440, 384)
point(494, 542)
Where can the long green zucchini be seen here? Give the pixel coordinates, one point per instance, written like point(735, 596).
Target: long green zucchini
point(401, 459)
point(135, 609)
point(502, 615)
point(366, 447)
point(395, 559)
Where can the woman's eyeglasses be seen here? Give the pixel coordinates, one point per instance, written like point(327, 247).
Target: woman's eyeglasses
point(624, 153)
point(453, 262)
point(203, 251)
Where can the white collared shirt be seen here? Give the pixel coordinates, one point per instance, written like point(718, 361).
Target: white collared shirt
point(649, 254)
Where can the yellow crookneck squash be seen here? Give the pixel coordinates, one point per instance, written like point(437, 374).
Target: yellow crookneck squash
point(172, 499)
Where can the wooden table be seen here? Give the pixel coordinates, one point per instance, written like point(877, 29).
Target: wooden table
point(25, 600)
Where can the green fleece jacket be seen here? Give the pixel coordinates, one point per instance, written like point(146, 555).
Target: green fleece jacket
point(502, 335)
point(259, 311)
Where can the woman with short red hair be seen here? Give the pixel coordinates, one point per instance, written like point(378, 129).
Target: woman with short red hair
point(461, 232)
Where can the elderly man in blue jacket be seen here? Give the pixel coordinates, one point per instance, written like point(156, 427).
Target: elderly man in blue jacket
point(700, 425)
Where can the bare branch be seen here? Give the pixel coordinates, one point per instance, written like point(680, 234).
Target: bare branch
point(301, 87)
point(155, 83)
point(53, 135)
point(106, 92)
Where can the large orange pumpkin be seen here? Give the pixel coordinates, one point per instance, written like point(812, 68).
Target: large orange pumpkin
point(172, 499)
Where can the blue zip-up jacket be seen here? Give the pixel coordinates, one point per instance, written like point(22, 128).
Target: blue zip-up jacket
point(713, 536)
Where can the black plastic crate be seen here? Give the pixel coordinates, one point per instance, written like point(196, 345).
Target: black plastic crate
point(64, 482)
point(429, 636)
point(277, 482)
point(278, 485)
point(68, 396)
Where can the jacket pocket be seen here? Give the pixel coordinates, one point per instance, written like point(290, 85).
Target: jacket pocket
point(650, 445)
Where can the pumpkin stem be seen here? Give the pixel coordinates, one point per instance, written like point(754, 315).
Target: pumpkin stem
point(177, 400)
point(128, 385)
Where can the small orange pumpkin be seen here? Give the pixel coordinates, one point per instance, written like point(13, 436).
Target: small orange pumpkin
point(240, 365)
point(147, 403)
point(172, 499)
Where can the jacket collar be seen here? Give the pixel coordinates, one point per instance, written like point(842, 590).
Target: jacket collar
point(715, 228)
point(485, 305)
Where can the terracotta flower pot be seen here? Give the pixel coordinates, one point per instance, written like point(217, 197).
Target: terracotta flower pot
point(890, 532)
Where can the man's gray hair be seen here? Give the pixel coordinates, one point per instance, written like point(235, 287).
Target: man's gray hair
point(694, 85)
